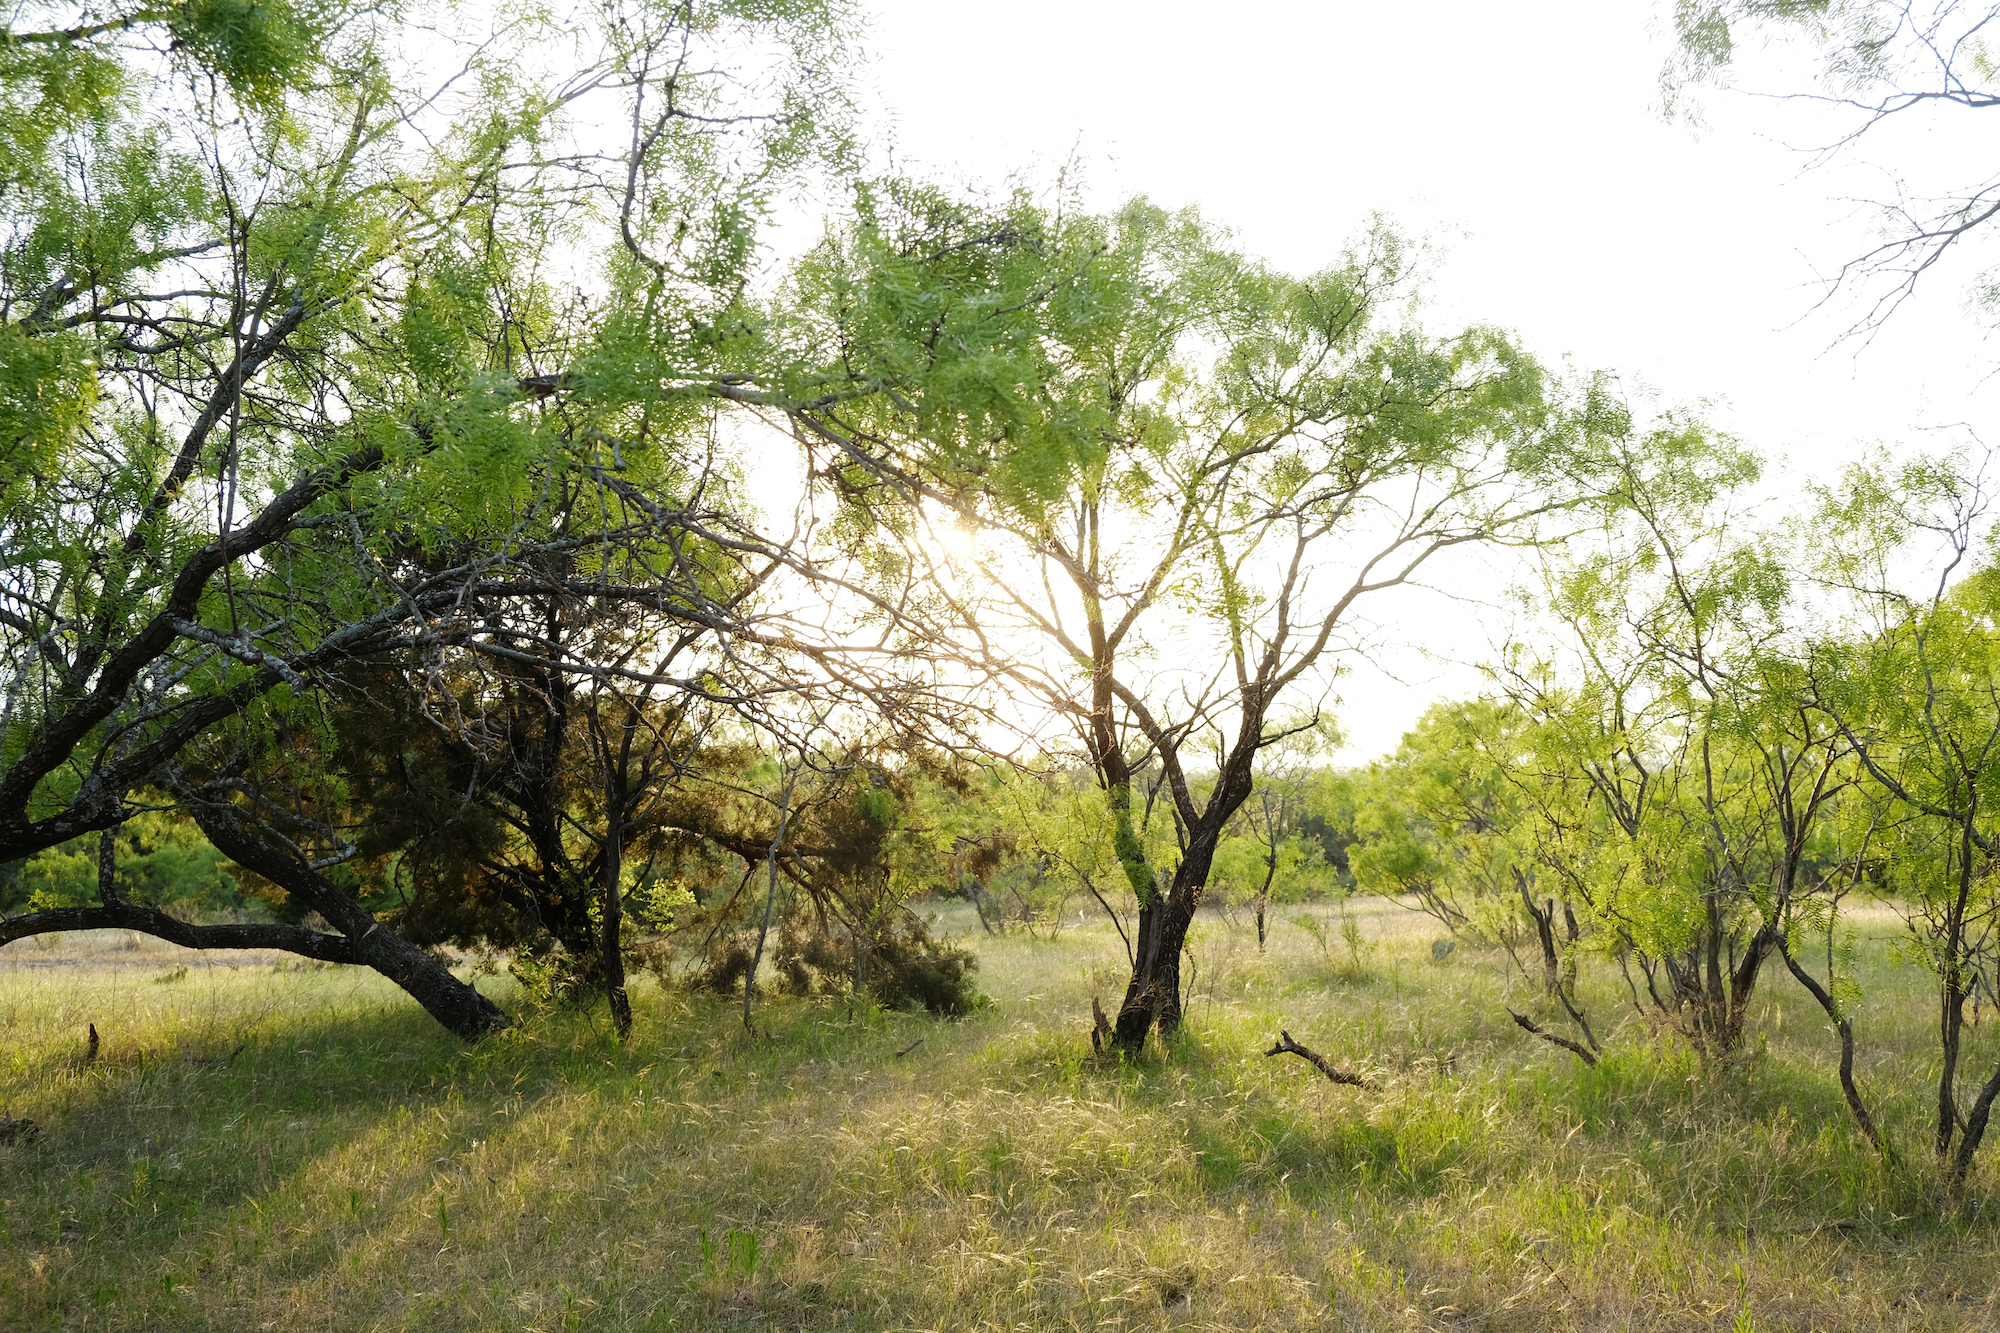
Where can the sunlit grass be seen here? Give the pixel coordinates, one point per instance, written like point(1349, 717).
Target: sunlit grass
point(304, 1149)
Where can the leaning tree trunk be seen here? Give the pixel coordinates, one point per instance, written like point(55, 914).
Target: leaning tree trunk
point(1975, 1131)
point(1844, 1025)
point(364, 940)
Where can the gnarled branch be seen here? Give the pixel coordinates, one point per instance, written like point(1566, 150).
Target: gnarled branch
point(1528, 1024)
point(1286, 1046)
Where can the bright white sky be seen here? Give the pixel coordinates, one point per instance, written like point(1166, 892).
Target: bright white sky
point(1522, 138)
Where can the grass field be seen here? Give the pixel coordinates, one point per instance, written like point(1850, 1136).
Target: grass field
point(260, 1147)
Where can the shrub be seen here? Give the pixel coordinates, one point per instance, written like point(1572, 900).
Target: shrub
point(905, 966)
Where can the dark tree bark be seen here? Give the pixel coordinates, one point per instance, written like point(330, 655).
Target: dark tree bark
point(1975, 1131)
point(611, 949)
point(1544, 918)
point(152, 921)
point(363, 940)
point(1153, 996)
point(1951, 1000)
point(1264, 894)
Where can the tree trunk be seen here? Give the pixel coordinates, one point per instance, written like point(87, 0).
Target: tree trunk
point(107, 866)
point(1264, 894)
point(1951, 998)
point(1975, 1131)
point(1845, 1026)
point(305, 942)
point(770, 896)
point(453, 1003)
point(611, 950)
point(1951, 1024)
point(1544, 919)
point(860, 968)
point(1153, 996)
point(1713, 1016)
point(1743, 982)
point(981, 904)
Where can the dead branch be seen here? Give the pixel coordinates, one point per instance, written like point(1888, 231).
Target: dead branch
point(1286, 1046)
point(1099, 1034)
point(1528, 1024)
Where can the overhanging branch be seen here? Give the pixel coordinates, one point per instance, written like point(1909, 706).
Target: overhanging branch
point(152, 921)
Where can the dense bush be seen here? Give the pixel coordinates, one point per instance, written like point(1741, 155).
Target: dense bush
point(902, 967)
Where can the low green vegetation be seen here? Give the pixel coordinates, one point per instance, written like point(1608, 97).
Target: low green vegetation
point(270, 1144)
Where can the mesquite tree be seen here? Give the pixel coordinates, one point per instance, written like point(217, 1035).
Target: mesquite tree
point(326, 338)
point(1144, 482)
point(1913, 686)
point(1678, 784)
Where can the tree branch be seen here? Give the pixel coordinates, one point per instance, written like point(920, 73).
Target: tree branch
point(1286, 1046)
point(152, 921)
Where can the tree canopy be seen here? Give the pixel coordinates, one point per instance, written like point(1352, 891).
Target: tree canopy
point(328, 338)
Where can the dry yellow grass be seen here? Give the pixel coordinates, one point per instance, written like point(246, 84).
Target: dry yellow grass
point(300, 1148)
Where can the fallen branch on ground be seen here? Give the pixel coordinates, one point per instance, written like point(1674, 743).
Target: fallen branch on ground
point(1529, 1025)
point(1286, 1046)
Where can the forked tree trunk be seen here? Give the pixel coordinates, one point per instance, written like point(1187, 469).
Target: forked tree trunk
point(1951, 1006)
point(1711, 992)
point(1153, 996)
point(1743, 979)
point(1544, 918)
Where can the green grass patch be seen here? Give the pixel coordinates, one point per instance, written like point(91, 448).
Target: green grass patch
point(257, 1147)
